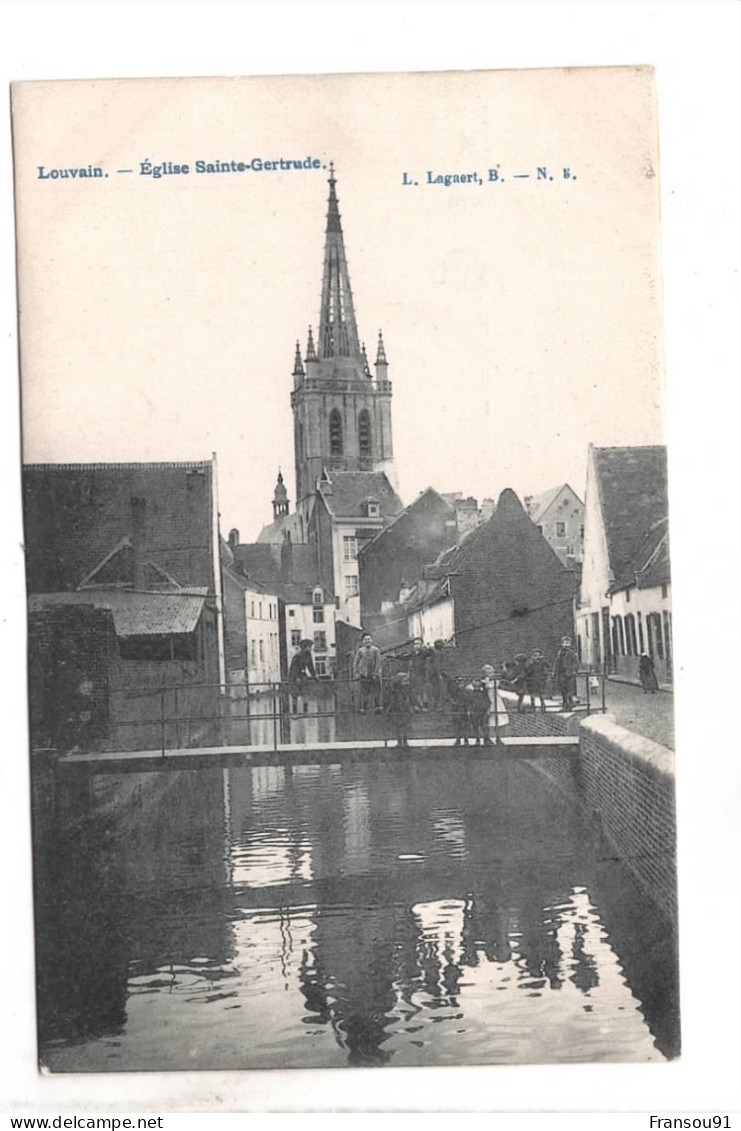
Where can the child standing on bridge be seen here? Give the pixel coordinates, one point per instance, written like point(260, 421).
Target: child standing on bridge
point(400, 707)
point(478, 713)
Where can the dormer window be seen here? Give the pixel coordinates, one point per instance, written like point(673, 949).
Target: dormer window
point(373, 509)
point(318, 596)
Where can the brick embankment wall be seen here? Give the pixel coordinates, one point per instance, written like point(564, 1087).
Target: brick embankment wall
point(628, 782)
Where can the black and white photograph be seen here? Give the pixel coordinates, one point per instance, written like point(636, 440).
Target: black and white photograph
point(346, 485)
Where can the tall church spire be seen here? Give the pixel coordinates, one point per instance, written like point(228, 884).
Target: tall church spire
point(341, 406)
point(338, 331)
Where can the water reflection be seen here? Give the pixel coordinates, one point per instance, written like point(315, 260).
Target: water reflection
point(357, 914)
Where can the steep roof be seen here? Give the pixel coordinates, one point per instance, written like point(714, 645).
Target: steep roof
point(78, 516)
point(345, 493)
point(398, 520)
point(537, 505)
point(134, 614)
point(632, 485)
point(276, 531)
point(287, 570)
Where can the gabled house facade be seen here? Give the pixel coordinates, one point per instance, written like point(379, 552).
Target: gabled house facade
point(502, 589)
point(559, 516)
point(351, 508)
point(624, 605)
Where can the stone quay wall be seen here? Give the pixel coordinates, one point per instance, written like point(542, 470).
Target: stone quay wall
point(627, 782)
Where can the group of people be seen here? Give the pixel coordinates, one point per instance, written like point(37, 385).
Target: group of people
point(424, 666)
point(469, 701)
point(529, 675)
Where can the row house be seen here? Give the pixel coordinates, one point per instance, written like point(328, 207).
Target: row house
point(286, 584)
point(624, 606)
point(559, 516)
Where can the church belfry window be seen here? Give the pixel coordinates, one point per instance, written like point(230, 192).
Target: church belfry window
point(335, 433)
point(364, 434)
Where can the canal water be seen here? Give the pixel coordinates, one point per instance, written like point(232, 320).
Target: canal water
point(365, 914)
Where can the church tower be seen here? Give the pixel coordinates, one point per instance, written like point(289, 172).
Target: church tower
point(341, 411)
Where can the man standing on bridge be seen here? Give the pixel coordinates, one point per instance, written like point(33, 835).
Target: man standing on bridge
point(565, 667)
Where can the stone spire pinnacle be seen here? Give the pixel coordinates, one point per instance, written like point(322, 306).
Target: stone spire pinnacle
point(311, 354)
point(338, 332)
point(298, 365)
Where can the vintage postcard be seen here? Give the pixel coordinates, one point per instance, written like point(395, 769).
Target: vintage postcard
point(348, 569)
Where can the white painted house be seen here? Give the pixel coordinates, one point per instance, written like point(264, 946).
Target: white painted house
point(624, 605)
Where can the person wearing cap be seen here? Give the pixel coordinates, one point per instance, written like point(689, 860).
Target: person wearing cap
point(300, 672)
point(565, 667)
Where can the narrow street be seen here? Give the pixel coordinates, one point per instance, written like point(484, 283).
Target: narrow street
point(649, 715)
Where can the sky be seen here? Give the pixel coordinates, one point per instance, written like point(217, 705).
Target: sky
point(521, 313)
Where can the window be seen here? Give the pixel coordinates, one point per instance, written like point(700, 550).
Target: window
point(318, 597)
point(581, 532)
point(320, 642)
point(627, 596)
point(254, 653)
point(641, 644)
point(630, 635)
point(295, 637)
point(560, 529)
point(319, 615)
point(291, 612)
point(364, 433)
point(351, 585)
point(178, 646)
point(262, 653)
point(349, 548)
point(335, 433)
point(374, 510)
point(664, 591)
point(252, 608)
point(655, 632)
point(259, 610)
point(320, 667)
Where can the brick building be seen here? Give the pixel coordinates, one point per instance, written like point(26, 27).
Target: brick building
point(391, 562)
point(139, 543)
point(502, 588)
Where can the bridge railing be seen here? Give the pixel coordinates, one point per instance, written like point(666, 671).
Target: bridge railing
point(319, 712)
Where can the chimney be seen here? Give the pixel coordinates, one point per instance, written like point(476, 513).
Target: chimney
point(233, 538)
point(286, 561)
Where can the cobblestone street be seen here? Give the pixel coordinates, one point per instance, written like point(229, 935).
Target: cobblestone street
point(649, 715)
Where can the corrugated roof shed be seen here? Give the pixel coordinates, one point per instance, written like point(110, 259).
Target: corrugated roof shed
point(135, 614)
